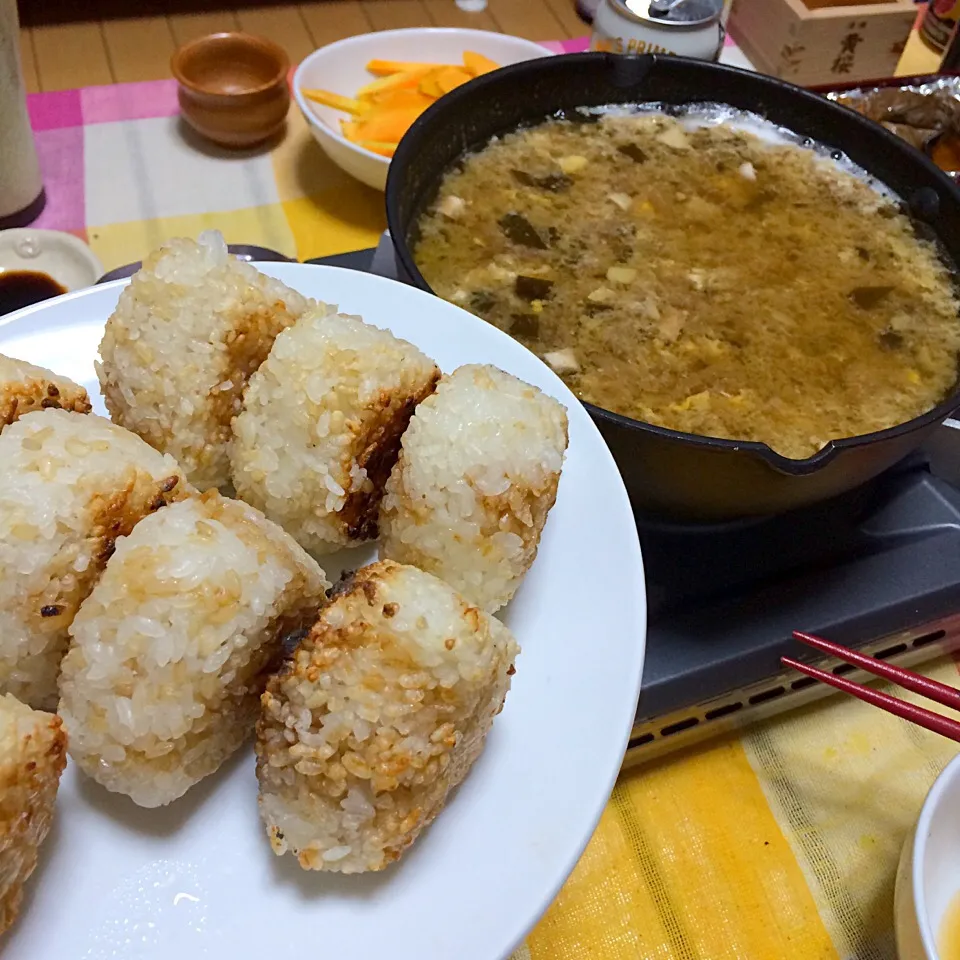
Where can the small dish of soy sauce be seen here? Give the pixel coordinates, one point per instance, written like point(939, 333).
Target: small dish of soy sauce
point(21, 288)
point(36, 265)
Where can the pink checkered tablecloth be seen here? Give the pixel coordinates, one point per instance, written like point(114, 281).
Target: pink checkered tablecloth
point(124, 173)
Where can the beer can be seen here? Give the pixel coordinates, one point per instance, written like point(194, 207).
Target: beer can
point(689, 28)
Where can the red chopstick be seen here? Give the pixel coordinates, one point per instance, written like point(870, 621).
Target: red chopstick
point(931, 689)
point(939, 692)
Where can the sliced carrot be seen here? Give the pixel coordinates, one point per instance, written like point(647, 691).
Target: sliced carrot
point(334, 100)
point(378, 146)
point(383, 110)
point(430, 86)
point(478, 64)
point(396, 99)
point(382, 68)
point(451, 78)
point(389, 125)
point(409, 78)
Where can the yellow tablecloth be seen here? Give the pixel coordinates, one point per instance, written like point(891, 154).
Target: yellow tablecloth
point(782, 843)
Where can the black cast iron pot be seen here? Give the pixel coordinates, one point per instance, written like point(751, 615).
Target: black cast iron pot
point(669, 474)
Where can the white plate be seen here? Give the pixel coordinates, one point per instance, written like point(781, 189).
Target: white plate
point(198, 879)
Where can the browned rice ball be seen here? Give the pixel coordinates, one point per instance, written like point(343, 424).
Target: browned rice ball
point(172, 649)
point(25, 387)
point(32, 756)
point(380, 712)
point(70, 486)
point(187, 332)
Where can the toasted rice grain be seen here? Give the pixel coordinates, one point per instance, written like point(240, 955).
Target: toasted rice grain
point(171, 649)
point(380, 712)
point(191, 327)
point(70, 485)
point(477, 475)
point(24, 387)
point(321, 424)
point(32, 757)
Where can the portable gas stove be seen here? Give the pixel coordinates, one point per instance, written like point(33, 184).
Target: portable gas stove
point(877, 569)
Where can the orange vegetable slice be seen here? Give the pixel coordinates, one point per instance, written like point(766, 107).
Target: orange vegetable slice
point(388, 126)
point(478, 64)
point(383, 110)
point(451, 78)
point(334, 100)
point(430, 87)
point(382, 68)
point(396, 99)
point(378, 146)
point(409, 78)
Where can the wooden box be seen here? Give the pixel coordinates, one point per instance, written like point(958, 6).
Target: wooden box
point(822, 41)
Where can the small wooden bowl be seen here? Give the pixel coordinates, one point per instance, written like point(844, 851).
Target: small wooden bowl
point(232, 87)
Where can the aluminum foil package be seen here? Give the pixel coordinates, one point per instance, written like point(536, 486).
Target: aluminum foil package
point(924, 111)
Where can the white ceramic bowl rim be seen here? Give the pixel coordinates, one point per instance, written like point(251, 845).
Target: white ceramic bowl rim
point(362, 39)
point(54, 248)
point(932, 807)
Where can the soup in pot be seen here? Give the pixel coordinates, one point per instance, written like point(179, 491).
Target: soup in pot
point(704, 272)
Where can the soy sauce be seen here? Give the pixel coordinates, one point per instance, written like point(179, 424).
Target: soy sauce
point(20, 288)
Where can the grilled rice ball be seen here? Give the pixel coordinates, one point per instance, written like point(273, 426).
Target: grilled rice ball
point(32, 757)
point(379, 713)
point(191, 327)
point(70, 485)
point(321, 424)
point(172, 648)
point(25, 387)
point(477, 475)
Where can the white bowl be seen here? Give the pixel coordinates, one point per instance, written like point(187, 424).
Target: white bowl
point(62, 256)
point(341, 68)
point(928, 878)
